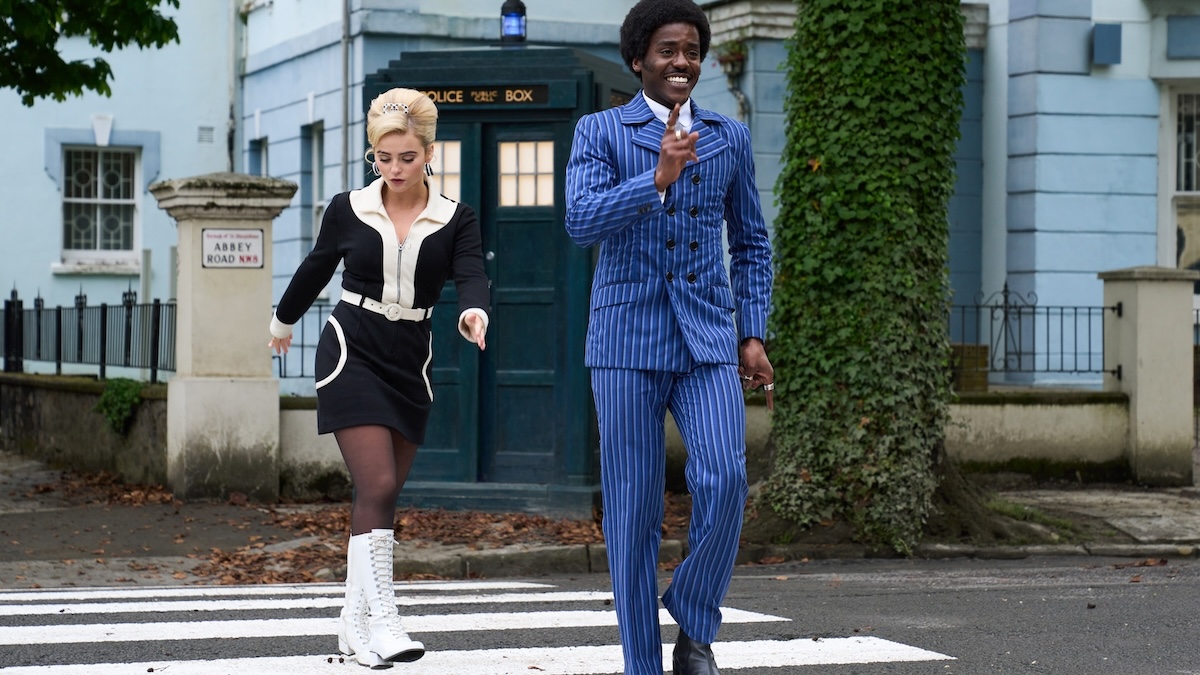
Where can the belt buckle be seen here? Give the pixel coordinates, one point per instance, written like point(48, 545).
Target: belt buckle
point(392, 311)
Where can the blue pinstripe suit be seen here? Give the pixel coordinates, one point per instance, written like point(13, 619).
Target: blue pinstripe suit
point(666, 320)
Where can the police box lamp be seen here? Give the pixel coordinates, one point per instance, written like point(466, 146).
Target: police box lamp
point(512, 21)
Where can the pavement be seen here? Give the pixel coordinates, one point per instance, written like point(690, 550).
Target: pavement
point(51, 541)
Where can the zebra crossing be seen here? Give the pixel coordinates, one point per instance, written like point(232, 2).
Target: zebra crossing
point(290, 629)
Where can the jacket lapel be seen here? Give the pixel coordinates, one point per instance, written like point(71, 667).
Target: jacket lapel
point(648, 130)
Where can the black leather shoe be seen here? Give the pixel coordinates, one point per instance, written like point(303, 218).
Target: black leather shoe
point(693, 658)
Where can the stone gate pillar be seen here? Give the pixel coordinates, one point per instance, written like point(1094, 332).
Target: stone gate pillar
point(1151, 345)
point(223, 403)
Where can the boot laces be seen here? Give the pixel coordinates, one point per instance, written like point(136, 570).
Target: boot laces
point(381, 555)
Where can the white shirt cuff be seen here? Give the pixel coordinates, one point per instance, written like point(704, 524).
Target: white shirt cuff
point(279, 329)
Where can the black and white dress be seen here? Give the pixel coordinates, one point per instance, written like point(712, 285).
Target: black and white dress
point(373, 359)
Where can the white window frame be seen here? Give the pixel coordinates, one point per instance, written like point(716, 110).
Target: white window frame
point(91, 257)
point(1168, 174)
point(526, 172)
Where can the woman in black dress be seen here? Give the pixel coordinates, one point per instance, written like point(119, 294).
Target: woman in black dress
point(400, 242)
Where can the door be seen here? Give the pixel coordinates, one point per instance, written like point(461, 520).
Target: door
point(513, 413)
point(522, 239)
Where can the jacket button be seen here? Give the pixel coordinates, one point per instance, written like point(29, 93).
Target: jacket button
point(694, 245)
point(670, 243)
point(692, 278)
point(693, 212)
point(670, 276)
point(695, 179)
point(671, 211)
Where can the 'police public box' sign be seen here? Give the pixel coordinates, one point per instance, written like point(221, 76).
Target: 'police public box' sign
point(231, 248)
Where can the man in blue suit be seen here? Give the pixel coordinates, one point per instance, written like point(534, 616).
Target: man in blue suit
point(657, 184)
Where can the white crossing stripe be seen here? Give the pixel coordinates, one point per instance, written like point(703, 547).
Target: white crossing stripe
point(429, 623)
point(604, 660)
point(87, 607)
point(338, 600)
point(267, 590)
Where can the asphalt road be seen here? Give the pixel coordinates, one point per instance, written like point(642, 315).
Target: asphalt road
point(1067, 616)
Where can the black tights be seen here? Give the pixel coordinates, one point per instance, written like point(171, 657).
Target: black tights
point(379, 459)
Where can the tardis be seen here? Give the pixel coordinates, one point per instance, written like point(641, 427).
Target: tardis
point(512, 428)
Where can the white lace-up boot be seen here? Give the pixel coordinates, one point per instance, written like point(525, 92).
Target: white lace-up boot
point(387, 639)
point(353, 632)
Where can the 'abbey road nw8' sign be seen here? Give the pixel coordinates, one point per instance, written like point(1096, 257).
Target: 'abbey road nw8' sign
point(231, 248)
point(500, 94)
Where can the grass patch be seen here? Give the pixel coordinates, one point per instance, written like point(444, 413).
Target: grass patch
point(1028, 514)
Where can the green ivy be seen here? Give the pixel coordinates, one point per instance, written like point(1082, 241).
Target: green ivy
point(858, 330)
point(118, 403)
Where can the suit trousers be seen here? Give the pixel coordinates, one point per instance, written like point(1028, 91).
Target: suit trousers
point(709, 409)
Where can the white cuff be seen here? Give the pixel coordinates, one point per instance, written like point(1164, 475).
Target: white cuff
point(662, 197)
point(464, 330)
point(279, 329)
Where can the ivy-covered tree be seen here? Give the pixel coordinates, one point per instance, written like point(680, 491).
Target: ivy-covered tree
point(859, 327)
point(30, 31)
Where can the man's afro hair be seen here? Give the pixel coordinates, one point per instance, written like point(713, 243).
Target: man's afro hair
point(649, 15)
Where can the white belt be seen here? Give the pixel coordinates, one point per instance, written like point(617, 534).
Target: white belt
point(392, 311)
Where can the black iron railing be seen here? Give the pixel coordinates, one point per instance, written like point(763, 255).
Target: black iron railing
point(128, 335)
point(1024, 337)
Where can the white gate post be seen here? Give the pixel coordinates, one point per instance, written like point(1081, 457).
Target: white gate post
point(1151, 343)
point(223, 403)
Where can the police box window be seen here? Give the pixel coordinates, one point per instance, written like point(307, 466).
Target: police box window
point(99, 201)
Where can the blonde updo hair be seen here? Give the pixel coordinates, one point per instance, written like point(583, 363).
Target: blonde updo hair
point(387, 114)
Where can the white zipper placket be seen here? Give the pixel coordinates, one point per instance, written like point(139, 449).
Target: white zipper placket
point(399, 268)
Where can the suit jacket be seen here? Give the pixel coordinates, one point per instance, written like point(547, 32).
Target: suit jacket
point(662, 298)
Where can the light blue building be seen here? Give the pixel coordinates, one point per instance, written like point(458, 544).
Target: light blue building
point(1078, 150)
point(78, 215)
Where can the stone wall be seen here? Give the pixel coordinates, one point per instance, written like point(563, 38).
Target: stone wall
point(53, 419)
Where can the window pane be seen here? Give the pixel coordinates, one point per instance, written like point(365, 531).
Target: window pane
point(545, 153)
point(80, 174)
point(452, 157)
point(116, 227)
point(526, 157)
point(1187, 149)
point(527, 190)
point(79, 228)
point(117, 172)
point(508, 190)
point(452, 187)
point(508, 158)
point(545, 190)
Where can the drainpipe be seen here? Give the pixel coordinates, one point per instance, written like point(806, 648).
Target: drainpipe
point(345, 95)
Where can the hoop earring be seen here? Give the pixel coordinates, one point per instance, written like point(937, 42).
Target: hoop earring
point(428, 170)
point(375, 168)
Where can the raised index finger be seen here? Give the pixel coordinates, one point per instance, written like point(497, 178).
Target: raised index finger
point(672, 118)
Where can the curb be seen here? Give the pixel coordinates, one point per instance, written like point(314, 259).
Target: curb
point(463, 562)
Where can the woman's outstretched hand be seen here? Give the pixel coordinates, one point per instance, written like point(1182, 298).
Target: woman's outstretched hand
point(477, 329)
point(280, 345)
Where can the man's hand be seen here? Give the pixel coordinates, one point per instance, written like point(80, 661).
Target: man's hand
point(678, 148)
point(755, 368)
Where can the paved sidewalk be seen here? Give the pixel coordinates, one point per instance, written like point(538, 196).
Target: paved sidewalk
point(50, 542)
